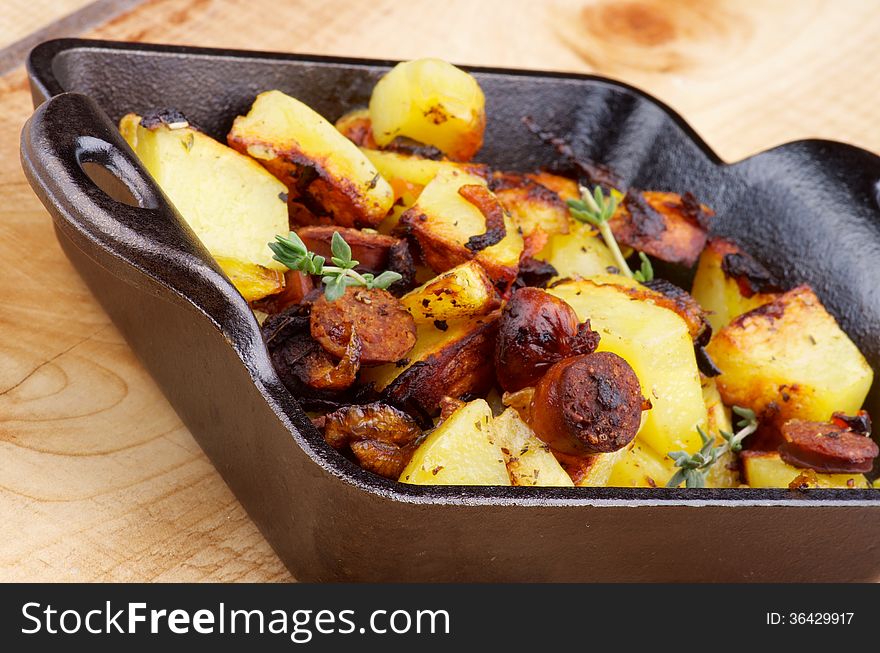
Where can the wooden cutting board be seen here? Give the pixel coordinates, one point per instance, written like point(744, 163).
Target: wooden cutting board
point(98, 478)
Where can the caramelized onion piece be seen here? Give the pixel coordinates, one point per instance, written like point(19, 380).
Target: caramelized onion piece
point(536, 331)
point(382, 458)
point(386, 329)
point(381, 437)
point(376, 421)
point(491, 208)
point(449, 405)
point(587, 404)
point(664, 225)
point(828, 448)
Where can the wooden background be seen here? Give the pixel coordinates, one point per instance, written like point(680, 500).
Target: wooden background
point(98, 479)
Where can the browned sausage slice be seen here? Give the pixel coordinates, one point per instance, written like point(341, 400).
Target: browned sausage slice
point(386, 329)
point(536, 331)
point(827, 448)
point(369, 248)
point(588, 404)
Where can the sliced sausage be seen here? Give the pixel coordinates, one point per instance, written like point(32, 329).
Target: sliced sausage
point(827, 448)
point(369, 248)
point(387, 330)
point(373, 251)
point(536, 331)
point(308, 372)
point(588, 404)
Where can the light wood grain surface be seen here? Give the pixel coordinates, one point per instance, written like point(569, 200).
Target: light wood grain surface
point(98, 478)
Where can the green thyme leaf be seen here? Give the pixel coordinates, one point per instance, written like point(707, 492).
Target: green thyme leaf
point(292, 252)
point(646, 272)
point(387, 278)
point(341, 249)
point(693, 468)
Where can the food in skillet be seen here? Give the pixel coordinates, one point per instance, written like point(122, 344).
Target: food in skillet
point(445, 322)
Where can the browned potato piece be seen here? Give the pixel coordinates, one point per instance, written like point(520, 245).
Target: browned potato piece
point(665, 294)
point(251, 280)
point(408, 175)
point(664, 225)
point(448, 360)
point(538, 211)
point(329, 180)
point(566, 188)
point(595, 470)
point(729, 282)
point(789, 357)
point(462, 292)
point(766, 469)
point(432, 102)
point(447, 227)
point(356, 127)
point(232, 203)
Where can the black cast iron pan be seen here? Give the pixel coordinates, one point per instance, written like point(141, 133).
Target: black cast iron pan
point(809, 210)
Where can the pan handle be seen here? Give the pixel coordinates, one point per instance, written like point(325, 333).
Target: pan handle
point(149, 243)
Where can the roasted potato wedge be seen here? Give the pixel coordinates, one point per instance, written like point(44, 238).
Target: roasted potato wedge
point(578, 254)
point(252, 281)
point(722, 293)
point(789, 357)
point(529, 461)
point(766, 469)
point(725, 471)
point(464, 291)
point(408, 175)
point(432, 102)
point(453, 359)
point(657, 344)
point(414, 170)
point(667, 226)
point(595, 470)
point(357, 127)
point(538, 211)
point(459, 452)
point(564, 187)
point(231, 203)
point(329, 180)
point(673, 298)
point(640, 466)
point(443, 222)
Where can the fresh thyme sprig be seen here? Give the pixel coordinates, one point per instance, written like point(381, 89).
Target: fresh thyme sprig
point(646, 272)
point(596, 209)
point(693, 468)
point(292, 251)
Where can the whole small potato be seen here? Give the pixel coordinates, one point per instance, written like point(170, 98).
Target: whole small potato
point(432, 102)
